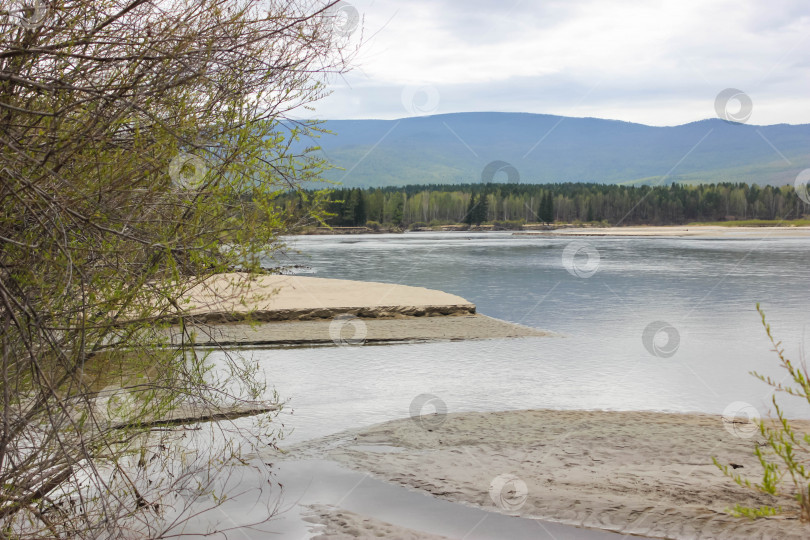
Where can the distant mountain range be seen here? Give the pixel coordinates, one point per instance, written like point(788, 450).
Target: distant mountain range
point(539, 148)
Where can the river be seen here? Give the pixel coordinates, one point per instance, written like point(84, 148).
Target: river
point(662, 324)
point(704, 289)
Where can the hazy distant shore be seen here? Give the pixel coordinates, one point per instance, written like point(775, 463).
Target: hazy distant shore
point(638, 473)
point(731, 230)
point(680, 231)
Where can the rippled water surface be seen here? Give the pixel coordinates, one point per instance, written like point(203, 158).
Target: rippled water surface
point(706, 289)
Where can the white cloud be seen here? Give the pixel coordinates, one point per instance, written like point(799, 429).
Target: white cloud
point(659, 62)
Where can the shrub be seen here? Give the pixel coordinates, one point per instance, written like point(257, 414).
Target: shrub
point(789, 450)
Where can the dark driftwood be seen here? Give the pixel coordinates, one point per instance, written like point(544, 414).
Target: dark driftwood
point(182, 416)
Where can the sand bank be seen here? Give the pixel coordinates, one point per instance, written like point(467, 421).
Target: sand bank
point(356, 331)
point(295, 310)
point(679, 231)
point(630, 472)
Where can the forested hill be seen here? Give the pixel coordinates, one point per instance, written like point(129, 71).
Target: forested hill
point(456, 148)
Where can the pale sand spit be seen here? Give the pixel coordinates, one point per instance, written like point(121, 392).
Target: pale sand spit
point(234, 309)
point(679, 231)
point(332, 523)
point(639, 473)
point(229, 297)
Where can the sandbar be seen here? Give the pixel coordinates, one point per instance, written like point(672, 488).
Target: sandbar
point(266, 310)
point(640, 473)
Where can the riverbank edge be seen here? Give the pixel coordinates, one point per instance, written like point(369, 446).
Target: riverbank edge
point(313, 314)
point(576, 230)
point(678, 231)
point(354, 331)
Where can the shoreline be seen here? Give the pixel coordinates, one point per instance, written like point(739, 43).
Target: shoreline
point(640, 473)
point(331, 523)
point(353, 331)
point(679, 231)
point(630, 230)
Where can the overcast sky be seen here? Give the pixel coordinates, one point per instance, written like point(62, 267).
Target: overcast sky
point(654, 62)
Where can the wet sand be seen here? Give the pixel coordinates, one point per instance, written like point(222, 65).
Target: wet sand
point(336, 502)
point(630, 472)
point(332, 523)
point(358, 331)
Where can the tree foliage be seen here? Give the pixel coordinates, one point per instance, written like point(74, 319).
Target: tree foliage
point(570, 202)
point(545, 212)
point(144, 144)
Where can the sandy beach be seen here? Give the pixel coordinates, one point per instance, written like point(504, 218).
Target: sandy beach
point(637, 473)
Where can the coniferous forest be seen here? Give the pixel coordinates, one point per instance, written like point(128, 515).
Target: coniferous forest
point(513, 204)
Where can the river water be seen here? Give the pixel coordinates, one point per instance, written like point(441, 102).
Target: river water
point(661, 324)
point(704, 289)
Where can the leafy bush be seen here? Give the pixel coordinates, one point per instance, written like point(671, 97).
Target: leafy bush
point(789, 451)
point(754, 513)
point(145, 145)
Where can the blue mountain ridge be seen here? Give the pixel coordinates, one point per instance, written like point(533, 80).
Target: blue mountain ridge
point(456, 148)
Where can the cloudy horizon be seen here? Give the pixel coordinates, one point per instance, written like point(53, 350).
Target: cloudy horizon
point(661, 63)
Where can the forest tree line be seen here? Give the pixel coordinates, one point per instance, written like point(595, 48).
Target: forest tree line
point(564, 202)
